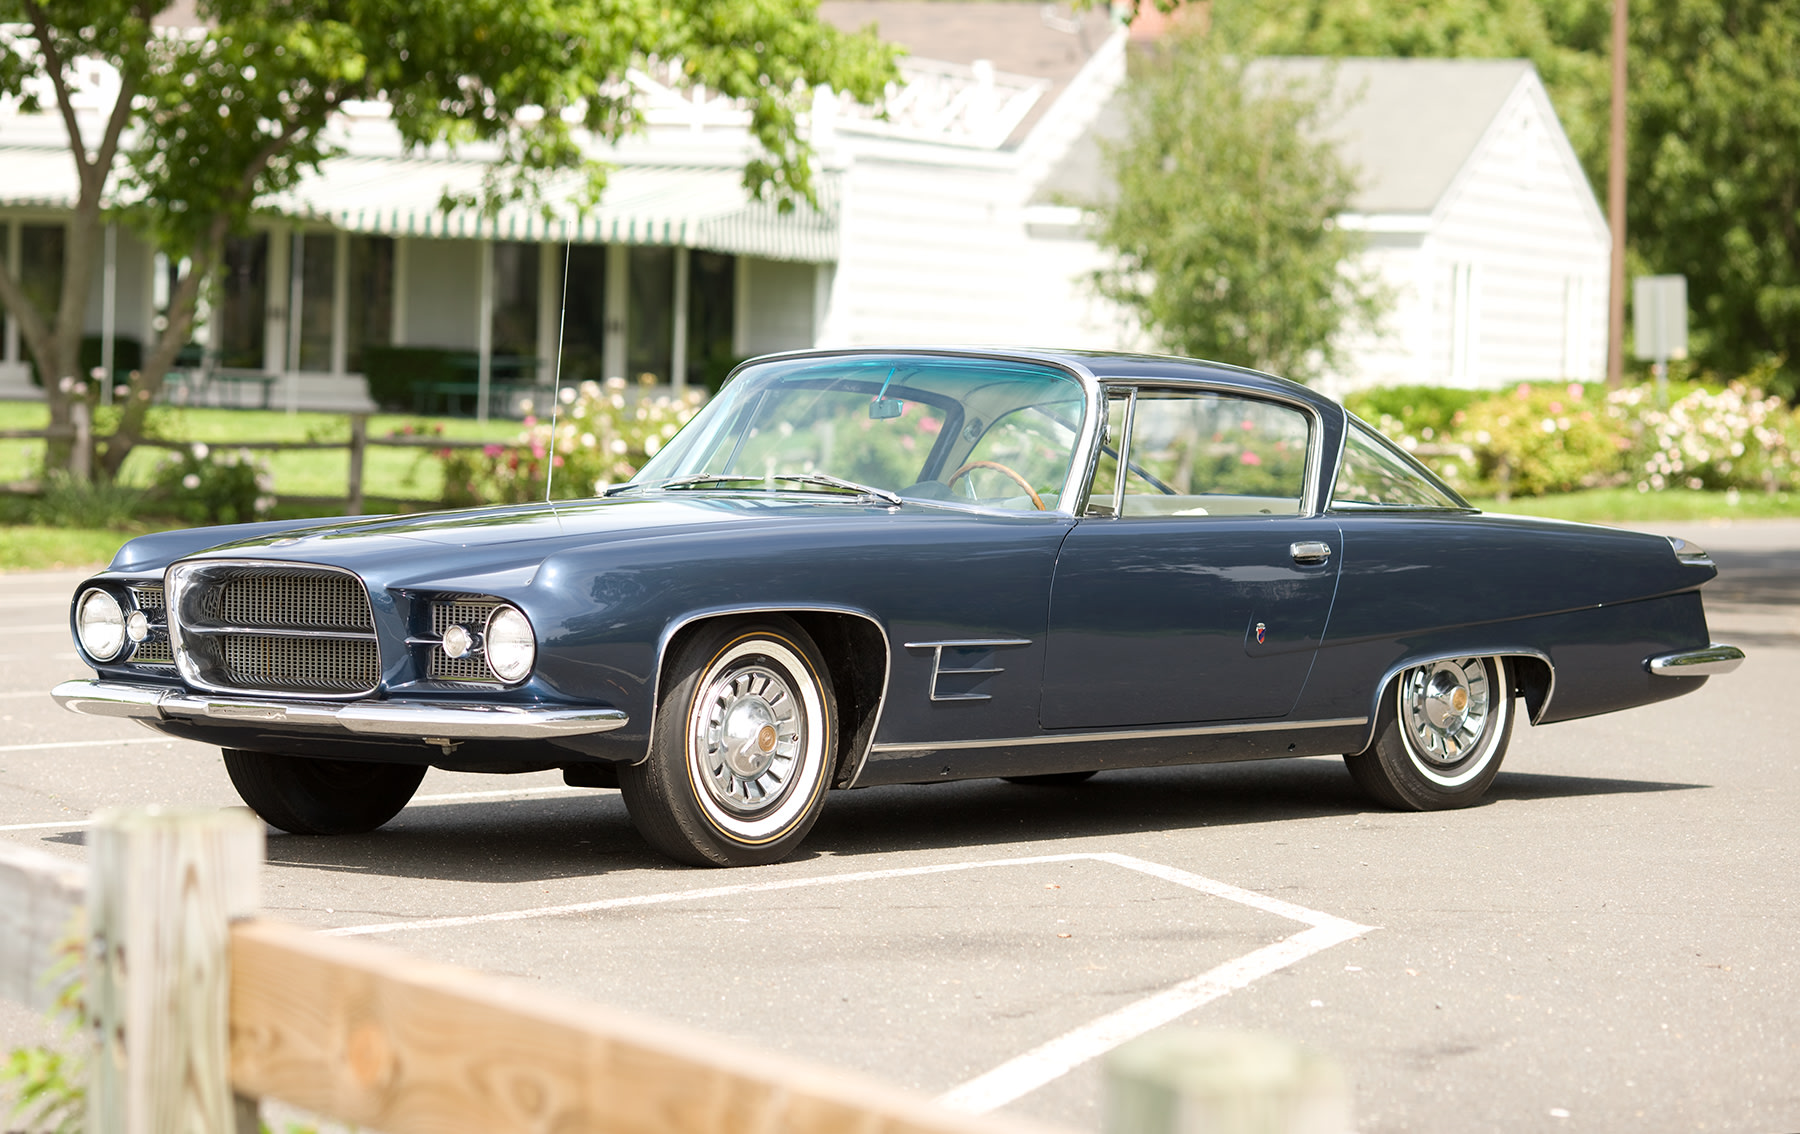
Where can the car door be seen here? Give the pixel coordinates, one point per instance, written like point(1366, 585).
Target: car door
point(1198, 585)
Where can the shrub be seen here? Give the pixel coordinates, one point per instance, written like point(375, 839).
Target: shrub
point(204, 487)
point(604, 433)
point(71, 503)
point(1534, 440)
point(1424, 413)
point(1733, 438)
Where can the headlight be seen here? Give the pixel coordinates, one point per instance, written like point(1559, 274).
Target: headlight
point(100, 624)
point(509, 644)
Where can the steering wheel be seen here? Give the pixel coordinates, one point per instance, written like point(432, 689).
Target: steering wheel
point(1036, 500)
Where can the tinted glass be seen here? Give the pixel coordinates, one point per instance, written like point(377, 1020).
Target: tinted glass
point(975, 431)
point(1374, 474)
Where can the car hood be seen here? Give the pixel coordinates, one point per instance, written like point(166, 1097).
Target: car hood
point(507, 538)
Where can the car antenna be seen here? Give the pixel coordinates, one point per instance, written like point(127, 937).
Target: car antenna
point(556, 371)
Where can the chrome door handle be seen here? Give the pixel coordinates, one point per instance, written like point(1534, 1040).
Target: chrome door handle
point(1310, 551)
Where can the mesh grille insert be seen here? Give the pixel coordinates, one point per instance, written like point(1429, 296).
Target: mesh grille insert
point(153, 650)
point(326, 601)
point(302, 665)
point(463, 611)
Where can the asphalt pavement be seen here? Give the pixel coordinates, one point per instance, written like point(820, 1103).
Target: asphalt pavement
point(1606, 944)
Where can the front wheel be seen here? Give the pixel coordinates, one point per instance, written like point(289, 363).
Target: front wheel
point(1439, 737)
point(741, 749)
point(304, 796)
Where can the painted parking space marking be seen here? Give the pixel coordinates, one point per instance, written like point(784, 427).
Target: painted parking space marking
point(45, 746)
point(1049, 1061)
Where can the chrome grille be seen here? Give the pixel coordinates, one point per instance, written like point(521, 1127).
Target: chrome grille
point(290, 600)
point(305, 665)
point(153, 650)
point(258, 627)
point(465, 610)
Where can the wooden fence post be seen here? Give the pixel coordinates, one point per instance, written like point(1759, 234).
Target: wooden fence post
point(359, 443)
point(1183, 1081)
point(166, 883)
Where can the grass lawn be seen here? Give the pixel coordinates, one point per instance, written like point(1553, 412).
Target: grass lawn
point(399, 473)
point(1627, 506)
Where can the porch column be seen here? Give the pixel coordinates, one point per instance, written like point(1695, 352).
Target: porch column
point(618, 286)
point(11, 346)
point(678, 349)
point(340, 305)
point(550, 312)
point(484, 328)
point(276, 277)
point(397, 319)
point(295, 307)
point(109, 311)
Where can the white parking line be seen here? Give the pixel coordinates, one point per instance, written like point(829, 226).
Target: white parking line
point(48, 745)
point(1026, 1073)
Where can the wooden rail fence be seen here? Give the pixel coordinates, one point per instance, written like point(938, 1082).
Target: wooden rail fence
point(358, 446)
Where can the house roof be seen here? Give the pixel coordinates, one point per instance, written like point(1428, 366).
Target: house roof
point(1405, 126)
point(1047, 42)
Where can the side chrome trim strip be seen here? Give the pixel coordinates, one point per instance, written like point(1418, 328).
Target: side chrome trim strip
point(410, 720)
point(937, 663)
point(1712, 661)
point(1124, 734)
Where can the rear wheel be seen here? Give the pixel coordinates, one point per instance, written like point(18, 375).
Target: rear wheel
point(741, 748)
point(1439, 737)
point(304, 796)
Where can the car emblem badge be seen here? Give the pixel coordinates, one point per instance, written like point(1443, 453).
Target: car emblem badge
point(1259, 633)
point(765, 739)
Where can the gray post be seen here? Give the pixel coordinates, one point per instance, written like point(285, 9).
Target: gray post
point(359, 443)
point(1191, 1082)
point(166, 884)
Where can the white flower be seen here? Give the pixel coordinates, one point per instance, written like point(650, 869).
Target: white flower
point(566, 395)
point(199, 450)
point(651, 444)
point(618, 446)
point(191, 481)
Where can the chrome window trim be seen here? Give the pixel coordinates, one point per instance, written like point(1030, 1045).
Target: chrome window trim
point(175, 583)
point(675, 627)
point(1122, 734)
point(1351, 421)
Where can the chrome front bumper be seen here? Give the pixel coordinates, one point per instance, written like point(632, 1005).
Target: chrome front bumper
point(1709, 662)
point(415, 720)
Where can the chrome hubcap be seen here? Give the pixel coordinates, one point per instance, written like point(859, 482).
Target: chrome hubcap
point(1445, 707)
point(748, 736)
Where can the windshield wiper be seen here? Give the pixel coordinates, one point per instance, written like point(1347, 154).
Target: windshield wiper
point(825, 480)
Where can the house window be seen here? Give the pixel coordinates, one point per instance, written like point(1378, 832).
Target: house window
point(316, 275)
point(371, 284)
point(583, 317)
point(712, 278)
point(515, 300)
point(243, 302)
point(650, 322)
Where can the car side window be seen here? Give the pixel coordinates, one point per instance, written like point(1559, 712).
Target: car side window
point(1373, 474)
point(1199, 453)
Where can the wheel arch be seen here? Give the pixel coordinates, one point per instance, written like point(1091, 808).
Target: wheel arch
point(1533, 678)
point(857, 659)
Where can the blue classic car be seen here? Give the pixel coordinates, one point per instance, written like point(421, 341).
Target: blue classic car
point(871, 567)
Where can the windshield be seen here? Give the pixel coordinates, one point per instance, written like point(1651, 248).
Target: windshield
point(998, 434)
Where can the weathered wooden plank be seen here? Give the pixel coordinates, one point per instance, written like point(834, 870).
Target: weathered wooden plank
point(371, 1036)
point(166, 883)
point(42, 903)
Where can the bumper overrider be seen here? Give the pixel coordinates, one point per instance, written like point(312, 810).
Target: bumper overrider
point(1711, 661)
point(430, 721)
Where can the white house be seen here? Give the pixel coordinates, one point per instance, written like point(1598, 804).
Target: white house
point(945, 221)
point(1479, 218)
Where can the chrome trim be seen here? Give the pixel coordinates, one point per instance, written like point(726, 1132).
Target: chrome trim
point(1451, 655)
point(1123, 472)
point(1712, 661)
point(938, 670)
point(412, 720)
point(887, 660)
point(175, 583)
point(1686, 552)
point(1123, 734)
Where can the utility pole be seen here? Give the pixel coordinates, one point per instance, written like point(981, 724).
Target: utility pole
point(1615, 207)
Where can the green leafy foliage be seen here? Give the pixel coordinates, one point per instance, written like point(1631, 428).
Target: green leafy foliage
point(207, 486)
point(68, 502)
point(1424, 413)
point(1713, 109)
point(1224, 224)
point(1534, 440)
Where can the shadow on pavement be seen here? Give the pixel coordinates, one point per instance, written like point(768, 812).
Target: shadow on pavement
point(1760, 578)
point(591, 835)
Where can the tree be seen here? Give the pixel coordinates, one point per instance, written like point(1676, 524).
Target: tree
point(209, 122)
point(1713, 113)
point(1224, 226)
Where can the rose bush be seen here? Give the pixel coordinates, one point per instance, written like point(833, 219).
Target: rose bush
point(206, 486)
point(1534, 439)
point(603, 433)
point(1735, 438)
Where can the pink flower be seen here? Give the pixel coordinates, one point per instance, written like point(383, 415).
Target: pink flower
point(1248, 425)
point(1249, 458)
point(1556, 407)
point(930, 425)
point(490, 450)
